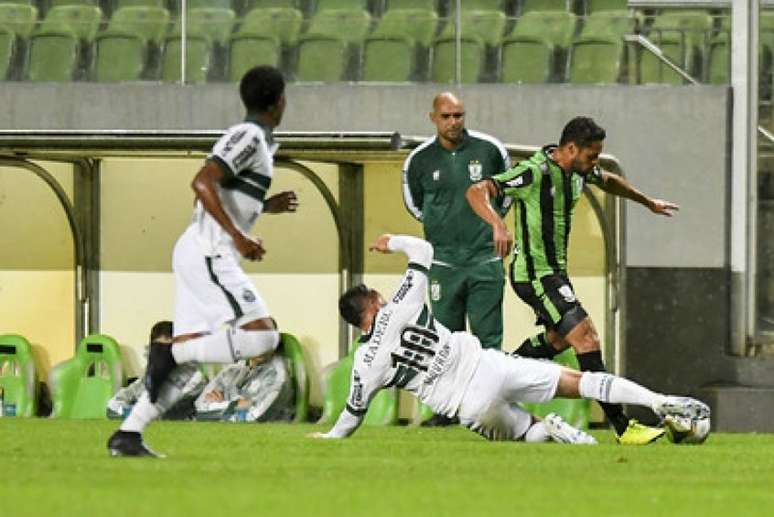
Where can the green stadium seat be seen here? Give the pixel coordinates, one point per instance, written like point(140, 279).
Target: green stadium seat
point(271, 4)
point(595, 6)
point(149, 23)
point(81, 386)
point(443, 65)
point(653, 70)
point(596, 61)
point(292, 350)
point(609, 24)
point(7, 45)
point(119, 56)
point(422, 5)
point(555, 27)
point(197, 59)
point(328, 5)
point(349, 24)
point(140, 3)
point(52, 56)
point(482, 5)
point(485, 25)
point(321, 58)
point(388, 58)
point(281, 23)
point(418, 24)
point(18, 18)
point(576, 412)
point(248, 50)
point(718, 61)
point(57, 3)
point(215, 23)
point(17, 374)
point(543, 5)
point(526, 60)
point(83, 20)
point(383, 409)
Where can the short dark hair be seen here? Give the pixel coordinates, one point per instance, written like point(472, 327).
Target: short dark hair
point(582, 131)
point(351, 304)
point(261, 88)
point(162, 329)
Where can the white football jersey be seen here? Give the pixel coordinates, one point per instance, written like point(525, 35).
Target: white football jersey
point(245, 154)
point(407, 348)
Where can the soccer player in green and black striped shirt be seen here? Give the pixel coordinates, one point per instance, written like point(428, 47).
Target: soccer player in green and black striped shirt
point(546, 188)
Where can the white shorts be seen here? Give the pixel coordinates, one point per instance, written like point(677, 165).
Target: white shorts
point(210, 291)
point(501, 381)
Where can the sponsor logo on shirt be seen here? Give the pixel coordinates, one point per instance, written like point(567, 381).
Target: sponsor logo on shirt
point(567, 294)
point(438, 366)
point(435, 290)
point(476, 170)
point(404, 288)
point(357, 390)
point(248, 296)
point(245, 154)
point(236, 137)
point(379, 329)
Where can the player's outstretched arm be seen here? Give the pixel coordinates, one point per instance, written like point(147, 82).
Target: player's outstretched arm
point(619, 186)
point(205, 186)
point(478, 196)
point(418, 251)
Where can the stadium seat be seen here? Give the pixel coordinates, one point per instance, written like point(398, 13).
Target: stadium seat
point(197, 59)
point(652, 70)
point(17, 374)
point(267, 4)
point(594, 6)
point(418, 24)
point(609, 24)
point(718, 60)
point(322, 58)
point(543, 5)
point(18, 18)
point(82, 20)
point(681, 34)
point(81, 386)
point(526, 60)
point(280, 23)
point(214, 23)
point(555, 27)
point(349, 24)
point(247, 50)
point(292, 350)
point(149, 23)
point(443, 65)
point(423, 5)
point(119, 56)
point(388, 58)
point(383, 409)
point(488, 26)
point(52, 56)
point(574, 411)
point(329, 5)
point(139, 3)
point(57, 3)
point(7, 45)
point(595, 61)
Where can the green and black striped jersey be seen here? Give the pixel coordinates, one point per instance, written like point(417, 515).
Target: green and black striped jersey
point(545, 198)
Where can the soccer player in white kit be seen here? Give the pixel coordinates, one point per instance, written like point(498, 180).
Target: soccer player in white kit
point(404, 346)
point(219, 315)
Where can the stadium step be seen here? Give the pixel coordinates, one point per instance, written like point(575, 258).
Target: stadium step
point(742, 409)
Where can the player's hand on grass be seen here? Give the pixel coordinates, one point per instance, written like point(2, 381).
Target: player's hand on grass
point(250, 248)
point(381, 244)
point(503, 240)
point(214, 396)
point(282, 202)
point(659, 206)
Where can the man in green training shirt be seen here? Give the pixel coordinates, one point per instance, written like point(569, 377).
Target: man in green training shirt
point(546, 188)
point(466, 277)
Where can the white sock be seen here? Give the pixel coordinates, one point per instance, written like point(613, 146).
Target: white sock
point(537, 433)
point(227, 345)
point(144, 412)
point(616, 390)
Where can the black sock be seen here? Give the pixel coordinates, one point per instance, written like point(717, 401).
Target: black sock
point(536, 347)
point(592, 362)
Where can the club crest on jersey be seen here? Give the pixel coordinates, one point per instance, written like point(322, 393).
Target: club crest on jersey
point(475, 169)
point(435, 291)
point(436, 175)
point(567, 293)
point(248, 296)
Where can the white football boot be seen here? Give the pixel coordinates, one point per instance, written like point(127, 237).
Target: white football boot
point(562, 432)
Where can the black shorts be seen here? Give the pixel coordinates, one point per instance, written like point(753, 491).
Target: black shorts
point(552, 297)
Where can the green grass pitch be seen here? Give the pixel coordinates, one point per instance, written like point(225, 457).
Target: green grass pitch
point(61, 468)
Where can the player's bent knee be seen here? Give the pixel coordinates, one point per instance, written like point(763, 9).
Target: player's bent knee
point(569, 384)
point(252, 343)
